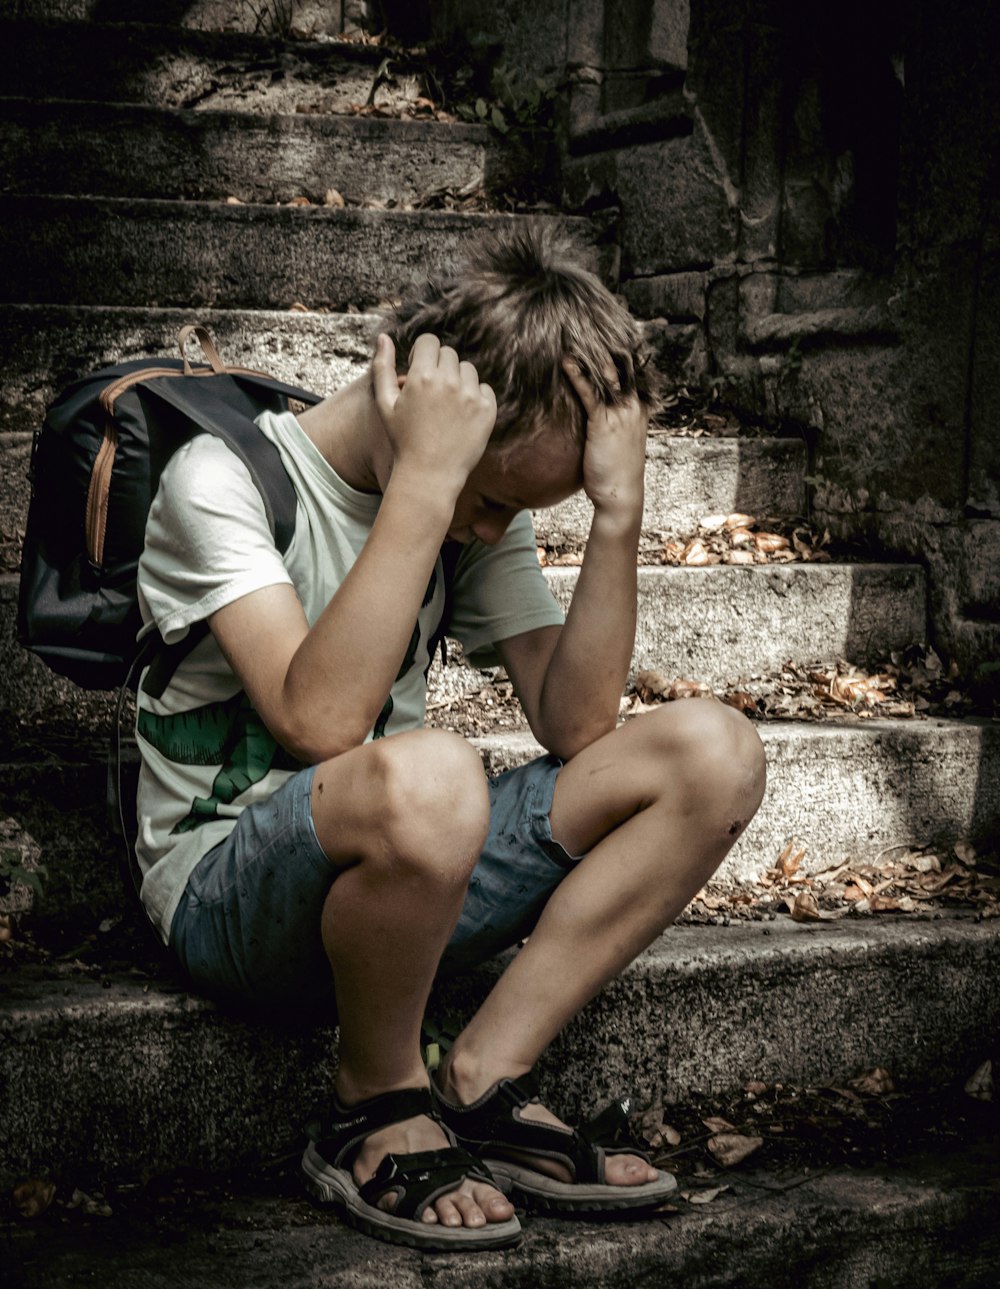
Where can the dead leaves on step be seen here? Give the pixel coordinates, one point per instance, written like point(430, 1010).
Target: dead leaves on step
point(743, 539)
point(909, 683)
point(901, 880)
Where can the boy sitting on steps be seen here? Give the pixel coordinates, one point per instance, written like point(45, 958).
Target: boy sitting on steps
point(343, 855)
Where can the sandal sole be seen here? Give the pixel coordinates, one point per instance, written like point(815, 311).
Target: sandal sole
point(337, 1187)
point(547, 1195)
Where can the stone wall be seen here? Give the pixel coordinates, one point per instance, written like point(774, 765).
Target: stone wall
point(808, 199)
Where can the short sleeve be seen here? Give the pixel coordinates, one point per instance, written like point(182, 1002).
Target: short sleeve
point(207, 540)
point(500, 591)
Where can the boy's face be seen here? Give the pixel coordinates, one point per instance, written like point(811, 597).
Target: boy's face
point(542, 470)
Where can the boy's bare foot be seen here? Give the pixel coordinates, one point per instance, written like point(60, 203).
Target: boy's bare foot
point(470, 1204)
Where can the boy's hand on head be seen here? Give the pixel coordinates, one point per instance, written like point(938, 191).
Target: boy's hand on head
point(439, 423)
point(614, 453)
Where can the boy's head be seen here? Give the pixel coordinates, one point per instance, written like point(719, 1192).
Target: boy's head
point(521, 304)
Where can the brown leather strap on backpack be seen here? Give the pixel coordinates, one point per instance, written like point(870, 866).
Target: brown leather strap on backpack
point(212, 355)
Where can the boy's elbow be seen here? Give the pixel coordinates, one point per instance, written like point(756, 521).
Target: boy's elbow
point(314, 737)
point(567, 740)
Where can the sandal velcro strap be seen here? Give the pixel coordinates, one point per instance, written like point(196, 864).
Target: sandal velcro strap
point(418, 1179)
point(346, 1127)
point(493, 1127)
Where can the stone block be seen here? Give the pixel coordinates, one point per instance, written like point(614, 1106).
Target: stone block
point(984, 446)
point(678, 206)
point(530, 36)
point(980, 571)
point(678, 351)
point(678, 297)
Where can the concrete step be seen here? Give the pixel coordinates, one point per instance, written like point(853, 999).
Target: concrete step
point(64, 250)
point(838, 791)
point(166, 67)
point(118, 1075)
point(113, 150)
point(204, 15)
point(717, 625)
point(309, 16)
point(851, 790)
point(725, 623)
point(920, 1224)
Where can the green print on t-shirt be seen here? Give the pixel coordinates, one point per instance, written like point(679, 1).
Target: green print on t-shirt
point(229, 734)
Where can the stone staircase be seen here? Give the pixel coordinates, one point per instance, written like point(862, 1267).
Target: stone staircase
point(120, 146)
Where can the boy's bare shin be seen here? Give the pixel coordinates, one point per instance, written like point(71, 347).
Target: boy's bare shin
point(655, 807)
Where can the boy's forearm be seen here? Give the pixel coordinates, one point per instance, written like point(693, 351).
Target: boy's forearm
point(585, 678)
point(340, 675)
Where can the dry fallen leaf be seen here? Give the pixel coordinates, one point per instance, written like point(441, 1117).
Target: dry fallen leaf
point(703, 1197)
point(333, 198)
point(33, 1197)
point(298, 307)
point(233, 201)
point(299, 201)
point(875, 1082)
point(717, 1124)
point(654, 1131)
point(805, 908)
point(770, 542)
point(965, 852)
point(731, 1148)
point(980, 1084)
point(735, 521)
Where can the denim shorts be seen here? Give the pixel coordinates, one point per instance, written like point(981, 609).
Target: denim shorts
point(247, 929)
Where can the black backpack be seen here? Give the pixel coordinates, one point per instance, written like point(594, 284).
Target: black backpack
point(95, 466)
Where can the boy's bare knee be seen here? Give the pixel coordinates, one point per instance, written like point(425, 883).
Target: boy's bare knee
point(715, 752)
point(435, 804)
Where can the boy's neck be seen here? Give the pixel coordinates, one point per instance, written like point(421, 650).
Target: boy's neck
point(347, 430)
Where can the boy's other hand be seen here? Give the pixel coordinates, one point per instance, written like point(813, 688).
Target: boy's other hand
point(439, 423)
point(614, 454)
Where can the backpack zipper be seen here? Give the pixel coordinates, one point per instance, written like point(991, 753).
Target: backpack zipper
point(99, 488)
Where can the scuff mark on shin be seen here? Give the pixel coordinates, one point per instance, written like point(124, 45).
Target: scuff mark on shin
point(736, 827)
point(319, 786)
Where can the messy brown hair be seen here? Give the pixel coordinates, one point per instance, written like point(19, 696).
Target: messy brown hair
point(520, 304)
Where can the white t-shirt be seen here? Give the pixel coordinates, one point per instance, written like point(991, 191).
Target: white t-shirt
point(206, 754)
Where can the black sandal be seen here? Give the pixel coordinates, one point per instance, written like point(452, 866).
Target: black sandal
point(416, 1179)
point(493, 1129)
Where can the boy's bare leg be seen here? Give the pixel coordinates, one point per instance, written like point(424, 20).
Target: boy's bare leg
point(654, 807)
point(377, 811)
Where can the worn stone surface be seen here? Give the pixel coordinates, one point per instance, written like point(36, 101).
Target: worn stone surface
point(907, 1227)
point(47, 346)
point(852, 790)
point(687, 479)
point(675, 296)
point(721, 623)
point(530, 36)
point(312, 17)
point(167, 67)
point(199, 254)
point(677, 202)
point(137, 1075)
point(115, 151)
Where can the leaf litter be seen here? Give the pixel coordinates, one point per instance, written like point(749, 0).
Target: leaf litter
point(860, 1120)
